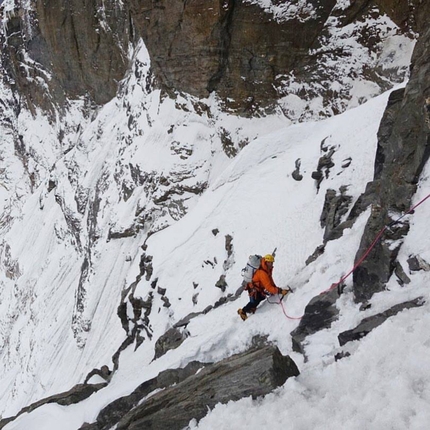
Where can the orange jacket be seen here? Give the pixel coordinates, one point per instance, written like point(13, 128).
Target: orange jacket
point(262, 279)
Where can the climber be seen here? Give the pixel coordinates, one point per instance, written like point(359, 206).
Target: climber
point(261, 286)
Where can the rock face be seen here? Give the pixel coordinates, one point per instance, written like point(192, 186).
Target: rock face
point(115, 411)
point(403, 150)
point(405, 13)
point(170, 340)
point(198, 387)
point(67, 49)
point(242, 50)
point(319, 314)
point(232, 47)
point(249, 52)
point(75, 395)
point(368, 324)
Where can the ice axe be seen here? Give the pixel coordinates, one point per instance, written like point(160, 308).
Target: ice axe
point(289, 289)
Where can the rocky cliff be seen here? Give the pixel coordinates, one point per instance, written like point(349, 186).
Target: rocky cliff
point(403, 151)
point(254, 58)
point(65, 50)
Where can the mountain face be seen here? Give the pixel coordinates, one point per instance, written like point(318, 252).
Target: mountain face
point(401, 156)
point(254, 56)
point(122, 123)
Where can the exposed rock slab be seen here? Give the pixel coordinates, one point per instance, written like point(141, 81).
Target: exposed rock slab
point(319, 314)
point(368, 324)
point(198, 387)
point(172, 339)
point(75, 395)
point(113, 412)
point(253, 373)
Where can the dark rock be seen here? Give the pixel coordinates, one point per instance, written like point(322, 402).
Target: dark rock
point(296, 173)
point(215, 231)
point(221, 283)
point(319, 314)
point(238, 52)
point(161, 291)
point(145, 266)
point(325, 163)
point(335, 207)
point(122, 315)
point(364, 306)
point(128, 232)
point(407, 14)
point(51, 185)
point(346, 163)
point(139, 305)
point(87, 426)
point(317, 253)
point(240, 290)
point(252, 373)
point(103, 372)
point(402, 277)
point(166, 302)
point(172, 339)
point(220, 302)
point(223, 300)
point(75, 395)
point(73, 49)
point(207, 309)
point(189, 392)
point(416, 263)
point(234, 48)
point(229, 298)
point(413, 263)
point(401, 155)
point(341, 355)
point(186, 320)
point(229, 245)
point(195, 298)
point(113, 412)
point(227, 144)
point(317, 175)
point(368, 324)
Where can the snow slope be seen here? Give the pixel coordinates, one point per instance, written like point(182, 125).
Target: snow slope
point(385, 383)
point(63, 205)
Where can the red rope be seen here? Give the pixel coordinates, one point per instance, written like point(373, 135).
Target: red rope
point(372, 245)
point(285, 313)
point(358, 262)
point(283, 309)
point(366, 253)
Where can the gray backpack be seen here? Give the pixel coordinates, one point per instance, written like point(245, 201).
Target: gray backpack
point(251, 267)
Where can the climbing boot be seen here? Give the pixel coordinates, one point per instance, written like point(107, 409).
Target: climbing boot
point(242, 314)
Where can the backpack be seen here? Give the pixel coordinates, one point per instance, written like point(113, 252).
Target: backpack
point(251, 267)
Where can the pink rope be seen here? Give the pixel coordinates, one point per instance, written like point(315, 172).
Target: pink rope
point(362, 258)
point(372, 245)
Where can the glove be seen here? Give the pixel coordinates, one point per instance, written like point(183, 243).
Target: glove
point(283, 292)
